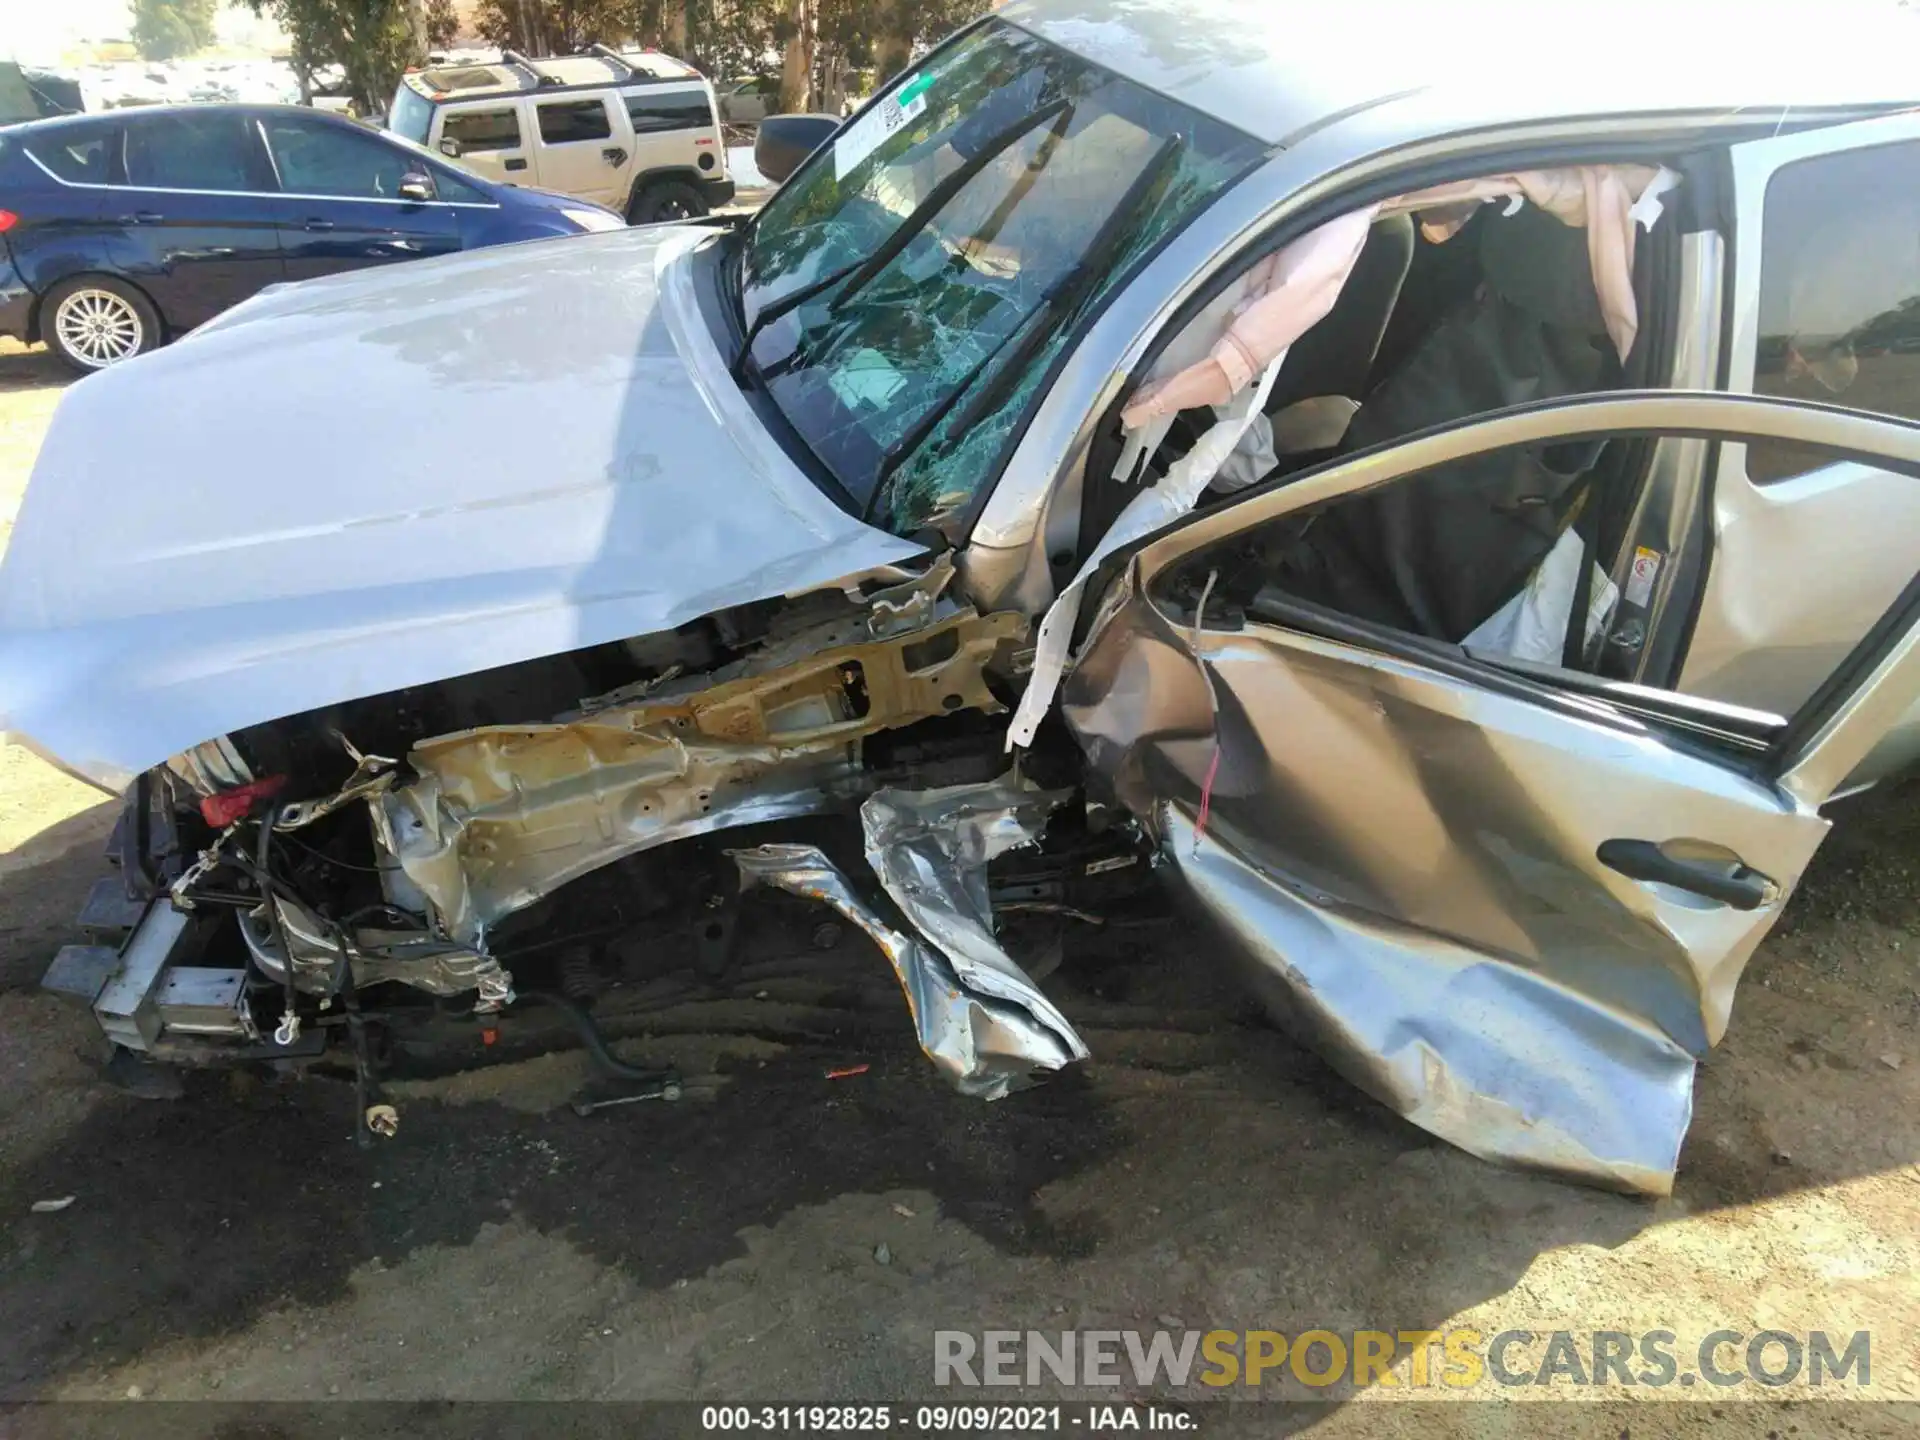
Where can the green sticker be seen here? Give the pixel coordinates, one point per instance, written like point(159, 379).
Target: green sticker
point(914, 89)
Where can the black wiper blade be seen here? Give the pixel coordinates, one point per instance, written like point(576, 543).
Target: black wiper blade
point(942, 195)
point(787, 303)
point(861, 272)
point(1067, 293)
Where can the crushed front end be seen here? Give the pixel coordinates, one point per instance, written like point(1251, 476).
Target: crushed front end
point(310, 888)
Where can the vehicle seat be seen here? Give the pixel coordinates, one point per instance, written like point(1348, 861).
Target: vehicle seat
point(1336, 355)
point(1437, 553)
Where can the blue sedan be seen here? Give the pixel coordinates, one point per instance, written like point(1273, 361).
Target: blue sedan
point(121, 231)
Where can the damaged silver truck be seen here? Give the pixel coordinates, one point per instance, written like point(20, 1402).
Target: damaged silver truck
point(1456, 530)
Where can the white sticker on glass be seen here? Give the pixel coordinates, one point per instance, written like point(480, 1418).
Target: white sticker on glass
point(870, 131)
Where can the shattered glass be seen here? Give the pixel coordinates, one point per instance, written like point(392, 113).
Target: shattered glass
point(1032, 180)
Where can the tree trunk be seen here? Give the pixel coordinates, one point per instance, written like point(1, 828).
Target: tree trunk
point(675, 42)
point(796, 70)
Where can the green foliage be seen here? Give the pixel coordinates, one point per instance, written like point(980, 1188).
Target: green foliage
point(163, 29)
point(554, 27)
point(442, 24)
point(856, 42)
point(372, 40)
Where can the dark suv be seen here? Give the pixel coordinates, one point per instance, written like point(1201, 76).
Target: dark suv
point(120, 231)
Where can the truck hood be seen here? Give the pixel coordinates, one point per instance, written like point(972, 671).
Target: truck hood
point(390, 478)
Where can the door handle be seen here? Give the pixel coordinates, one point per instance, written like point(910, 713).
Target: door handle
point(319, 222)
point(142, 217)
point(614, 155)
point(1744, 889)
point(515, 164)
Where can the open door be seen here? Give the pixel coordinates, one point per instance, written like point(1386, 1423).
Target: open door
point(1510, 900)
point(1824, 293)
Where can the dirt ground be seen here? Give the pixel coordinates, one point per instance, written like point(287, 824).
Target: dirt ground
point(798, 1237)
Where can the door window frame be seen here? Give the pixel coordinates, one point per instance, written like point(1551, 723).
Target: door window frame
point(606, 114)
point(1792, 746)
point(509, 105)
point(259, 164)
point(354, 137)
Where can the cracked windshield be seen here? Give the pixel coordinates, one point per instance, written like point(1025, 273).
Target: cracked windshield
point(906, 293)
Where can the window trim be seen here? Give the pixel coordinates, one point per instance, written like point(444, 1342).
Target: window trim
point(115, 133)
point(704, 122)
point(432, 171)
point(606, 114)
point(258, 163)
point(1157, 554)
point(256, 194)
point(1754, 162)
point(511, 107)
point(1750, 358)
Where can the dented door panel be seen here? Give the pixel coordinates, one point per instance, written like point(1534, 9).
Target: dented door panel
point(1404, 850)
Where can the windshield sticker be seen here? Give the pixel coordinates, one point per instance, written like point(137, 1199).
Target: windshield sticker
point(868, 379)
point(871, 130)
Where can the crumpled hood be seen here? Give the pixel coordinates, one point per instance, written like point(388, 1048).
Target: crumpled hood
point(390, 478)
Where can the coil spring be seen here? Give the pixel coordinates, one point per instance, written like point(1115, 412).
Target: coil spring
point(579, 980)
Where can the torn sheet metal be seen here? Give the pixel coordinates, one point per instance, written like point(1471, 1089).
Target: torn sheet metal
point(978, 1016)
point(505, 814)
point(1407, 865)
point(407, 957)
point(1172, 496)
point(1498, 1059)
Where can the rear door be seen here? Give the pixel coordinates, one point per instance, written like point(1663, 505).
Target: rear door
point(340, 206)
point(673, 128)
point(1824, 294)
point(196, 213)
point(1510, 900)
point(580, 149)
point(55, 183)
point(491, 136)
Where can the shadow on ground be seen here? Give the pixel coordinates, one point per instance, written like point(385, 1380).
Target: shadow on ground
point(31, 369)
point(1212, 1173)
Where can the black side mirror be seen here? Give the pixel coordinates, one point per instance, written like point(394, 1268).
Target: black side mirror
point(785, 141)
point(450, 148)
point(417, 186)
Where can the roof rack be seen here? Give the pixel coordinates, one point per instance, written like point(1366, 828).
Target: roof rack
point(607, 52)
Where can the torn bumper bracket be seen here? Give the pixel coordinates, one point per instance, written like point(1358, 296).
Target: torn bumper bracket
point(977, 1015)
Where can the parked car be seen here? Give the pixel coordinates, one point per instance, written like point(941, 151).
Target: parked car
point(637, 132)
point(748, 102)
point(1441, 527)
point(119, 232)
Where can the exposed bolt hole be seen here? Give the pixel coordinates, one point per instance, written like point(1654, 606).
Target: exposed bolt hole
point(952, 702)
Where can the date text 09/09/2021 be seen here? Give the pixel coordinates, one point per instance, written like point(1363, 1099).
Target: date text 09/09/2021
point(1086, 1417)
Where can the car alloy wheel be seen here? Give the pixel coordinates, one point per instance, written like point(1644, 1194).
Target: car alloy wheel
point(99, 328)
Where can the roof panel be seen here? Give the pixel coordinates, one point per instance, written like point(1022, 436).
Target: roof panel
point(1275, 70)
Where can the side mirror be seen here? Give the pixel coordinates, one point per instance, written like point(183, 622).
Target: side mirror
point(785, 141)
point(417, 186)
point(450, 149)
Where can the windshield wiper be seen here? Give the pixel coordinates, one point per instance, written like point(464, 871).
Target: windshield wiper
point(787, 303)
point(861, 272)
point(1065, 295)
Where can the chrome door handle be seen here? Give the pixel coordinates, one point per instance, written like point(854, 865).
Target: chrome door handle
point(315, 222)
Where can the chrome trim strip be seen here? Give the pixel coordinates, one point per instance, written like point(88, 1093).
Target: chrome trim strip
point(253, 194)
